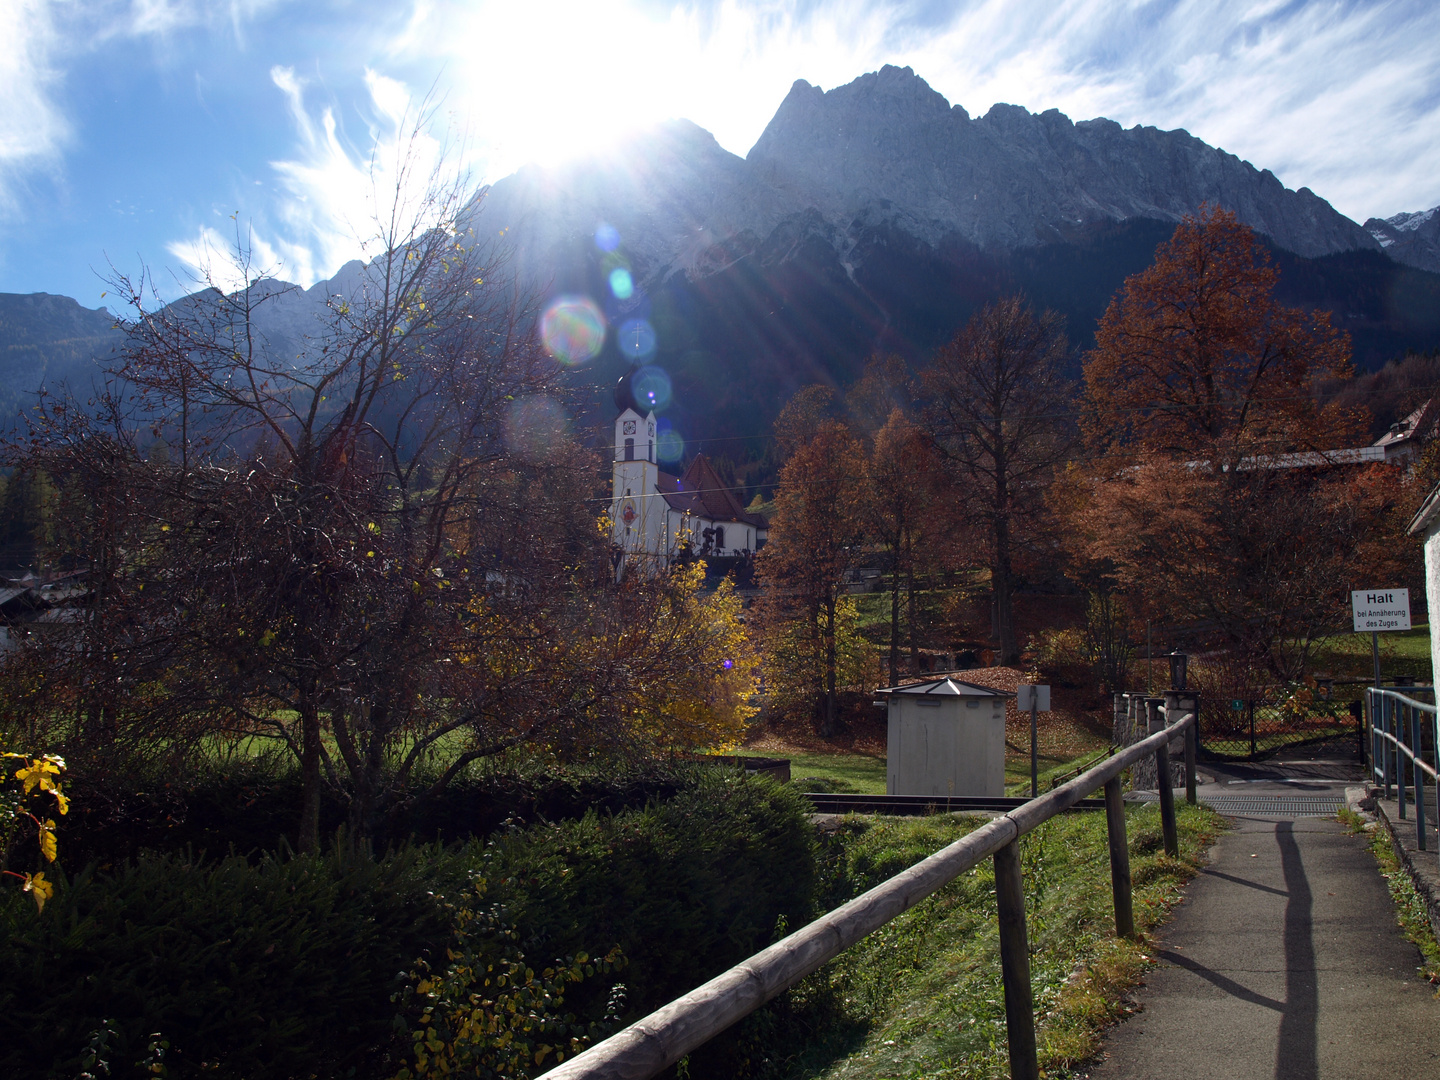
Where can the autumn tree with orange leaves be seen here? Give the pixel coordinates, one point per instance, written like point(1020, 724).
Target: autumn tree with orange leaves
point(816, 533)
point(1209, 493)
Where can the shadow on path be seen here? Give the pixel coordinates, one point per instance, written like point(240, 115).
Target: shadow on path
point(1243, 881)
point(1230, 986)
point(1295, 1056)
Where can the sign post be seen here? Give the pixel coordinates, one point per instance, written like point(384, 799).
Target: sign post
point(1036, 698)
point(1379, 610)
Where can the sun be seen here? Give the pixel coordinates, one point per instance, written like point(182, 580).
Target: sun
point(562, 81)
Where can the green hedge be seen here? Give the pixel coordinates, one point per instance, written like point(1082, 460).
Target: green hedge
point(253, 806)
point(279, 969)
point(285, 967)
point(686, 888)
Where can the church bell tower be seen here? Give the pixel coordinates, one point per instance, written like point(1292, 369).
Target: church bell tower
point(637, 508)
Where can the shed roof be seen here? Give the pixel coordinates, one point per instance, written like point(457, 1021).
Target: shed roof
point(946, 687)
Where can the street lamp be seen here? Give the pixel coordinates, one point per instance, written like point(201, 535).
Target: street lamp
point(1178, 663)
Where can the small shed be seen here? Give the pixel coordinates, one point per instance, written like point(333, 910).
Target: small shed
point(946, 737)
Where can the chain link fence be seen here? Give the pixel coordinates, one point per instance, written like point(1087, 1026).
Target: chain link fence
point(1250, 728)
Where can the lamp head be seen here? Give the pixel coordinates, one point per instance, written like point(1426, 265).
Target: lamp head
point(1179, 661)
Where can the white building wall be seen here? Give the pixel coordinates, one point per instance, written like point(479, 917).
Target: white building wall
point(1432, 596)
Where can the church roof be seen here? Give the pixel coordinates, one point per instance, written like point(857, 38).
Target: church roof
point(625, 392)
point(701, 492)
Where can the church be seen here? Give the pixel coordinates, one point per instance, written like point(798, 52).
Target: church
point(659, 518)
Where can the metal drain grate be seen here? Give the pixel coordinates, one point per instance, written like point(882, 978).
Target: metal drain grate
point(1281, 805)
point(1288, 805)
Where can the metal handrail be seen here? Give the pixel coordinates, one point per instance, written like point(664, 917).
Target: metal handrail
point(657, 1041)
point(1393, 717)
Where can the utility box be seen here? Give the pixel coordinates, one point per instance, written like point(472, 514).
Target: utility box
point(946, 737)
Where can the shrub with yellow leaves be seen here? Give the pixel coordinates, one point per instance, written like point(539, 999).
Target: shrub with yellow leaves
point(488, 1013)
point(22, 800)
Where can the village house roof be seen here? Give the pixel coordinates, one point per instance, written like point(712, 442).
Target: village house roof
point(1410, 432)
point(701, 493)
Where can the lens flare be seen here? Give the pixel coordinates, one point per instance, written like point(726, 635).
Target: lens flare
point(669, 446)
point(607, 237)
point(621, 283)
point(536, 429)
point(728, 664)
point(636, 339)
point(572, 330)
point(651, 387)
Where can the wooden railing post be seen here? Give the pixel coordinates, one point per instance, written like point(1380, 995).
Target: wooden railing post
point(1119, 859)
point(1156, 719)
point(1167, 801)
point(1015, 964)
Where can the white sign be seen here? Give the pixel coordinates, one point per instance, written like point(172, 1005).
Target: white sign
point(1380, 609)
point(1032, 695)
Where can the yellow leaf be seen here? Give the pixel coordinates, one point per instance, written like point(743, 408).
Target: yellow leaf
point(47, 840)
point(38, 887)
point(38, 774)
point(61, 802)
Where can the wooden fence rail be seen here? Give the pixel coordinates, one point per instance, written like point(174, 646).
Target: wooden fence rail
point(659, 1040)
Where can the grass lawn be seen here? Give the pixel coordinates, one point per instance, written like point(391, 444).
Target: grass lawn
point(921, 997)
point(1348, 656)
point(1017, 770)
point(865, 773)
point(861, 773)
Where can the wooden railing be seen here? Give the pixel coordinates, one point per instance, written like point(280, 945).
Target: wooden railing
point(659, 1040)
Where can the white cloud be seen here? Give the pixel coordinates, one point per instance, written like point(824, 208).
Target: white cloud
point(33, 130)
point(226, 262)
point(335, 191)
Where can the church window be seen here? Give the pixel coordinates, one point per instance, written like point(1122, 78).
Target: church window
point(629, 449)
point(719, 538)
point(650, 450)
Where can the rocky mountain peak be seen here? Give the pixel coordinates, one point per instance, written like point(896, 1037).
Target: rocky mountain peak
point(1011, 178)
point(1412, 238)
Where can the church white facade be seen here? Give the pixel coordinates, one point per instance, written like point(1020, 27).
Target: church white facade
point(658, 517)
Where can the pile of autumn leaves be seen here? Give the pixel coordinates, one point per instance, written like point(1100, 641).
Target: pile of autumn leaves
point(1188, 480)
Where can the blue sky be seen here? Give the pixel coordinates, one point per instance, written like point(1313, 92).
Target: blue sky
point(145, 132)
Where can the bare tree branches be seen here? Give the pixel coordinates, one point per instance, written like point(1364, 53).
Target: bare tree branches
point(999, 413)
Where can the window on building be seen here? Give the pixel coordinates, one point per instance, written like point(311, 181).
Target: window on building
point(629, 449)
point(719, 538)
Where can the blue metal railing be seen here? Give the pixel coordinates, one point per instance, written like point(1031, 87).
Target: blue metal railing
point(1400, 727)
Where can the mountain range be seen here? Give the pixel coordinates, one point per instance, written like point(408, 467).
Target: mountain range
point(875, 217)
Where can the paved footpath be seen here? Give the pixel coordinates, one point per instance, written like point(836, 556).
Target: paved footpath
point(1284, 960)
